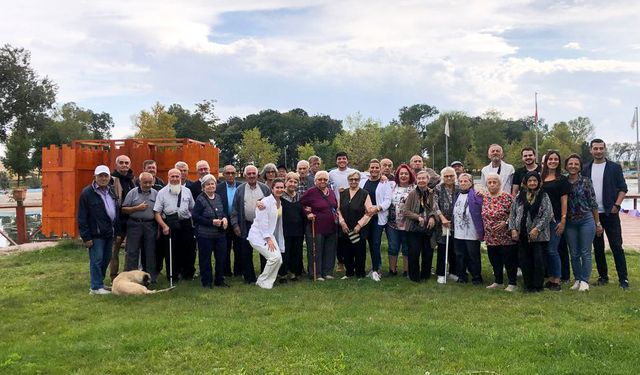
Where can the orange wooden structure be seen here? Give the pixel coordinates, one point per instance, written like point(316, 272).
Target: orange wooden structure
point(67, 170)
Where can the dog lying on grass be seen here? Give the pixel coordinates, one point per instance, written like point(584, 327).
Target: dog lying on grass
point(133, 283)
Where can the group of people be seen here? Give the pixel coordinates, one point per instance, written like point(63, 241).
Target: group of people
point(530, 219)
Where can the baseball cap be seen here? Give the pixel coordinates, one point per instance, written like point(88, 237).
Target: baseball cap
point(456, 163)
point(101, 169)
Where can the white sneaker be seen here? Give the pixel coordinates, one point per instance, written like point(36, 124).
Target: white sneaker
point(319, 279)
point(441, 280)
point(345, 277)
point(519, 273)
point(375, 276)
point(584, 286)
point(329, 277)
point(576, 285)
point(493, 286)
point(510, 288)
point(453, 277)
point(99, 291)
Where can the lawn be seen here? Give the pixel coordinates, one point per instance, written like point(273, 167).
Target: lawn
point(50, 324)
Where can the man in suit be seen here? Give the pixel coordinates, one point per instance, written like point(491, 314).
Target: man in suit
point(610, 188)
point(202, 167)
point(227, 190)
point(243, 212)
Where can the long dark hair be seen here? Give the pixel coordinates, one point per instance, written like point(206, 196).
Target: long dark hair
point(545, 168)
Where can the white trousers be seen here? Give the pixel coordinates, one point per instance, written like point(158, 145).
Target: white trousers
point(274, 261)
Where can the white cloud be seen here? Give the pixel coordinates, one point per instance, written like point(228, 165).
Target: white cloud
point(572, 45)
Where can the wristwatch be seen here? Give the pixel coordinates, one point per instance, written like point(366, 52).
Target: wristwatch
point(617, 205)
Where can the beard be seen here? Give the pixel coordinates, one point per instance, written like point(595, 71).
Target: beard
point(175, 189)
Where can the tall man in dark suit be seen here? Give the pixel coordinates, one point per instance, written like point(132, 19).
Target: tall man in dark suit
point(610, 189)
point(227, 190)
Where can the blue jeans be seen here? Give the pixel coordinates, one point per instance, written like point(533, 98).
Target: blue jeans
point(375, 239)
point(579, 235)
point(552, 255)
point(99, 258)
point(398, 239)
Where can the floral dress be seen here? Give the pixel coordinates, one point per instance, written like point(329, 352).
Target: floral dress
point(496, 210)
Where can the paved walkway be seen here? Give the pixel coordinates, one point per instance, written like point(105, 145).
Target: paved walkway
point(630, 232)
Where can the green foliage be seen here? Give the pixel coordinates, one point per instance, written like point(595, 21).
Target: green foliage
point(50, 324)
point(35, 181)
point(18, 150)
point(305, 151)
point(155, 124)
point(24, 97)
point(5, 181)
point(418, 116)
point(256, 150)
point(199, 125)
point(400, 142)
point(362, 141)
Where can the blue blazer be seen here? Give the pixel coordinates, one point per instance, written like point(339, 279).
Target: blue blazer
point(612, 184)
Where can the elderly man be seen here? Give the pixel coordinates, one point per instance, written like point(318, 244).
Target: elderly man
point(458, 167)
point(497, 165)
point(172, 212)
point(183, 167)
point(243, 212)
point(122, 181)
point(306, 179)
point(202, 167)
point(150, 166)
point(386, 168)
point(338, 181)
point(227, 191)
point(97, 220)
point(314, 164)
point(141, 226)
point(417, 164)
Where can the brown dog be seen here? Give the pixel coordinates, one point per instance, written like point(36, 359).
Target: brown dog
point(133, 283)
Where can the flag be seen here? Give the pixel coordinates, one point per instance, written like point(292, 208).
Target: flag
point(634, 121)
point(446, 127)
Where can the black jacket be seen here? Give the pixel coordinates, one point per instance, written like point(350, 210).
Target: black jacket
point(195, 187)
point(221, 190)
point(612, 184)
point(93, 220)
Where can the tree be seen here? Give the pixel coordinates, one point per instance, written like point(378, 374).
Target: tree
point(255, 150)
point(155, 124)
point(198, 125)
point(362, 142)
point(400, 142)
point(18, 150)
point(305, 151)
point(70, 122)
point(417, 116)
point(5, 181)
point(581, 129)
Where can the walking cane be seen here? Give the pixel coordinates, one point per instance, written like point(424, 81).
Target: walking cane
point(170, 262)
point(313, 240)
point(446, 253)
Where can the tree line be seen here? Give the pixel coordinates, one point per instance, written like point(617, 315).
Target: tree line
point(31, 119)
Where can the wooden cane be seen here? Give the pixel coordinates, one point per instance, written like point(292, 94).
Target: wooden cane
point(313, 239)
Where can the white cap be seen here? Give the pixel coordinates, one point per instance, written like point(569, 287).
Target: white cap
point(101, 169)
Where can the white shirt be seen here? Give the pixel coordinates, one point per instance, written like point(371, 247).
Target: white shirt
point(338, 180)
point(597, 176)
point(463, 228)
point(167, 202)
point(506, 172)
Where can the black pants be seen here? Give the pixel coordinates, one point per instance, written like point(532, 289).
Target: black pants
point(468, 257)
point(162, 254)
point(355, 256)
point(340, 252)
point(207, 246)
point(248, 271)
point(611, 225)
point(233, 242)
point(565, 260)
point(451, 260)
point(419, 246)
point(141, 240)
point(184, 250)
point(292, 257)
point(531, 259)
point(501, 257)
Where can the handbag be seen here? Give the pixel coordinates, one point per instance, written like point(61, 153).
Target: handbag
point(333, 209)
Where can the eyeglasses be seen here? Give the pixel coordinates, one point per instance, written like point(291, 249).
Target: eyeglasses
point(354, 179)
point(322, 179)
point(449, 176)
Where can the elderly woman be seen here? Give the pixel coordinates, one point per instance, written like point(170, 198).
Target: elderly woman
point(321, 206)
point(210, 227)
point(557, 188)
point(404, 182)
point(293, 222)
point(445, 194)
point(419, 212)
point(354, 205)
point(468, 231)
point(529, 226)
point(268, 174)
point(583, 222)
point(266, 237)
point(502, 251)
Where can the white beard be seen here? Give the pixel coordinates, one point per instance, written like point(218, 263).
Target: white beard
point(175, 189)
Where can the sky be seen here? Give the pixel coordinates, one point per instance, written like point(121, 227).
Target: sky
point(339, 57)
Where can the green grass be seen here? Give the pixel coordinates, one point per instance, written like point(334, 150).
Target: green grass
point(50, 324)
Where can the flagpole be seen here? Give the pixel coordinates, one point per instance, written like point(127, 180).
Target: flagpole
point(446, 143)
point(536, 125)
point(637, 150)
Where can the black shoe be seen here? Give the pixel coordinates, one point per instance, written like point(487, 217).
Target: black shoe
point(207, 286)
point(405, 274)
point(624, 285)
point(555, 287)
point(602, 281)
point(283, 280)
point(548, 284)
point(476, 282)
point(461, 281)
point(294, 278)
point(392, 273)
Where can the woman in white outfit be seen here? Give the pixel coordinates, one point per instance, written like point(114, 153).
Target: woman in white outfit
point(266, 235)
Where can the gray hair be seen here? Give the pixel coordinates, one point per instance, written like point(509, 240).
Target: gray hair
point(267, 168)
point(206, 178)
point(321, 174)
point(467, 175)
point(353, 174)
point(445, 170)
point(181, 164)
point(302, 162)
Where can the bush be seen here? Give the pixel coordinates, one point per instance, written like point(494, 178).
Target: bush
point(5, 181)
